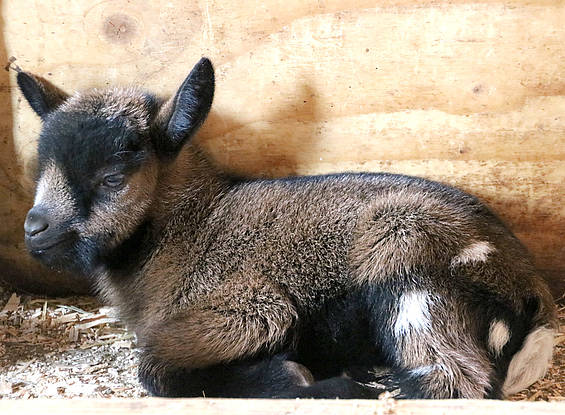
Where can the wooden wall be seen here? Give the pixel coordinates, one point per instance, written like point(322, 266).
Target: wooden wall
point(211, 406)
point(467, 92)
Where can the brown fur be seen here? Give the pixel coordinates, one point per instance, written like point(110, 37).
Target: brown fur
point(406, 229)
point(240, 318)
point(232, 267)
point(231, 222)
point(124, 209)
point(275, 229)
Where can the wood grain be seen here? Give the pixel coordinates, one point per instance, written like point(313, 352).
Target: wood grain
point(267, 407)
point(471, 93)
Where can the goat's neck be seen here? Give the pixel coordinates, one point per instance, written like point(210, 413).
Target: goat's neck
point(188, 188)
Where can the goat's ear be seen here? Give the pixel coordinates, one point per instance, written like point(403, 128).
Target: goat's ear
point(42, 96)
point(181, 116)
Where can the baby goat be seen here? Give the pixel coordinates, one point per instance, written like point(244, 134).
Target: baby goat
point(342, 285)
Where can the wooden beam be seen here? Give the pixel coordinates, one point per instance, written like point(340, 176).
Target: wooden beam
point(203, 406)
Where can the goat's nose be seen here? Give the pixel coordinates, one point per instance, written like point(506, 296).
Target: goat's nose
point(35, 223)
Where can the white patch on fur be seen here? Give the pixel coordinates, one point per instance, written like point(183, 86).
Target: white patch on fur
point(498, 336)
point(531, 361)
point(413, 313)
point(423, 370)
point(476, 252)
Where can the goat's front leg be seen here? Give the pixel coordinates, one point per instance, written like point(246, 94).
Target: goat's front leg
point(212, 348)
point(268, 377)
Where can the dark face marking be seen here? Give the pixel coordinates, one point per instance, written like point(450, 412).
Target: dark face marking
point(99, 153)
point(88, 148)
point(96, 180)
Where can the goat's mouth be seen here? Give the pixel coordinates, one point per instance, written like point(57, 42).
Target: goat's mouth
point(62, 254)
point(45, 247)
point(39, 249)
point(49, 249)
point(67, 254)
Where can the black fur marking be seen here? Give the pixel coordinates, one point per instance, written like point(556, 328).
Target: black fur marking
point(191, 106)
point(260, 378)
point(60, 252)
point(87, 148)
point(332, 341)
point(128, 257)
point(40, 101)
point(83, 143)
point(339, 335)
point(332, 388)
point(519, 326)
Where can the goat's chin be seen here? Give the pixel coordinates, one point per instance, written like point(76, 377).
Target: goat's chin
point(70, 255)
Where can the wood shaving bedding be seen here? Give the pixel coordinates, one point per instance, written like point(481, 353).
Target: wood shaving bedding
point(65, 347)
point(74, 347)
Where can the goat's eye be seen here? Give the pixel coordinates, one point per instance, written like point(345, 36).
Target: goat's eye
point(113, 180)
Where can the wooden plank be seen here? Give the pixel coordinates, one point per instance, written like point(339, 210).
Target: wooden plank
point(469, 92)
point(265, 407)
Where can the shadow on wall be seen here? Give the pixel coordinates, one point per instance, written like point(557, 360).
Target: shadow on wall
point(277, 150)
point(17, 268)
point(270, 145)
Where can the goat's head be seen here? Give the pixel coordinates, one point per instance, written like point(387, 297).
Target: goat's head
point(99, 154)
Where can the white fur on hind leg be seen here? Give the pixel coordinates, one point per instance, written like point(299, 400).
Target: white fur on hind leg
point(531, 361)
point(498, 336)
point(413, 313)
